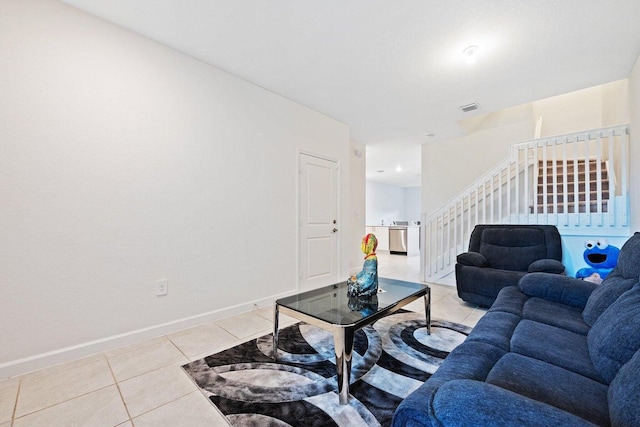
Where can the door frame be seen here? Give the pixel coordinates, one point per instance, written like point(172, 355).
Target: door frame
point(299, 155)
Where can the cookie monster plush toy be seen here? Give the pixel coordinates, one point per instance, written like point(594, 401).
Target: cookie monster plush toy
point(602, 258)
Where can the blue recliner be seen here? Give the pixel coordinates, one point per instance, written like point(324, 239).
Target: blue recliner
point(500, 255)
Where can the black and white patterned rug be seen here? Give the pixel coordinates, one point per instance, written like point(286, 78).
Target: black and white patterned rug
point(391, 358)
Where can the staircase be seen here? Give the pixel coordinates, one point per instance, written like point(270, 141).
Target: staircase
point(552, 192)
point(577, 182)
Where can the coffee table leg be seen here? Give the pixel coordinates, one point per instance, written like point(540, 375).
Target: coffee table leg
point(343, 342)
point(275, 332)
point(427, 309)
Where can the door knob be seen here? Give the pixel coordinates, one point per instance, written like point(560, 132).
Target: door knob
point(334, 230)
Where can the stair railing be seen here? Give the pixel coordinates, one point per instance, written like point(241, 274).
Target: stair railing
point(569, 181)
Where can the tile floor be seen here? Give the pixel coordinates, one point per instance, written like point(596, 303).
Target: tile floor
point(143, 385)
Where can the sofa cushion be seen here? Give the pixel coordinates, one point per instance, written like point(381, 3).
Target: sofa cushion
point(457, 404)
point(510, 300)
point(513, 248)
point(484, 283)
point(553, 287)
point(495, 328)
point(555, 314)
point(554, 345)
point(628, 265)
point(625, 411)
point(605, 295)
point(513, 300)
point(471, 360)
point(552, 385)
point(614, 338)
point(620, 280)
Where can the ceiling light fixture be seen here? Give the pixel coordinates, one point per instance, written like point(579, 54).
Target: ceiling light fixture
point(398, 168)
point(471, 54)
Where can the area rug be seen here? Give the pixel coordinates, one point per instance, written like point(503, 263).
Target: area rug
point(391, 358)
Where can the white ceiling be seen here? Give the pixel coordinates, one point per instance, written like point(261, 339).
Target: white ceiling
point(394, 70)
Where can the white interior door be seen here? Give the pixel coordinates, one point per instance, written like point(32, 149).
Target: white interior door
point(319, 226)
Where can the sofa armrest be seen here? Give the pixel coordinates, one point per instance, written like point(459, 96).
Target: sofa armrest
point(558, 288)
point(474, 259)
point(471, 359)
point(546, 266)
point(476, 403)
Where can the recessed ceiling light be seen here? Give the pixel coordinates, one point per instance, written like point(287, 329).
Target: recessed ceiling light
point(470, 54)
point(398, 168)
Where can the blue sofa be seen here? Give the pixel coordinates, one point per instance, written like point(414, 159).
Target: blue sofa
point(552, 351)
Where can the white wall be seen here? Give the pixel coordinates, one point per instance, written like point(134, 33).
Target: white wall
point(598, 106)
point(123, 162)
point(448, 167)
point(392, 203)
point(384, 202)
point(413, 203)
point(634, 155)
point(358, 199)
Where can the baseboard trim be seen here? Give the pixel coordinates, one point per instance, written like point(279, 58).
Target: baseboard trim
point(67, 354)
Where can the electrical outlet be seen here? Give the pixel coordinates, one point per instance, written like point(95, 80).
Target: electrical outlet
point(162, 287)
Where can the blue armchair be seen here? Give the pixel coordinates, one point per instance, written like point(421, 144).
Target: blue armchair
point(500, 255)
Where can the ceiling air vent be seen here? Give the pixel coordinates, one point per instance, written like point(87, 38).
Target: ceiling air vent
point(469, 107)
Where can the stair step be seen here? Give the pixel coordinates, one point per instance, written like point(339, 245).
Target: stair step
point(593, 196)
point(570, 162)
point(593, 176)
point(581, 167)
point(570, 159)
point(593, 186)
point(571, 207)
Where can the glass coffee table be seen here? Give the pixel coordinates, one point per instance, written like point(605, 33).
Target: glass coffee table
point(331, 309)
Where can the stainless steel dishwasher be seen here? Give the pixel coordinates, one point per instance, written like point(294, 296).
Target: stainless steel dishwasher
point(398, 239)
